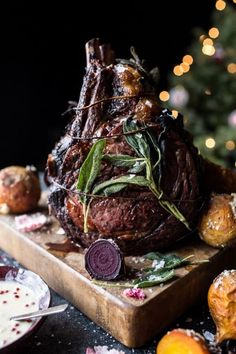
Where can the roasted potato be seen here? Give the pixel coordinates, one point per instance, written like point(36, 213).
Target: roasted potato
point(222, 305)
point(19, 189)
point(218, 224)
point(182, 341)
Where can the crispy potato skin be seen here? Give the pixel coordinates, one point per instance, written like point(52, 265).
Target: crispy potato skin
point(218, 224)
point(222, 305)
point(19, 189)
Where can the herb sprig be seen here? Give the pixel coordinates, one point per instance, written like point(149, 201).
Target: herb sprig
point(144, 144)
point(141, 143)
point(161, 271)
point(89, 171)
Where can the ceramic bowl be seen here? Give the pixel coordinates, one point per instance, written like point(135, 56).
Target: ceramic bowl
point(41, 290)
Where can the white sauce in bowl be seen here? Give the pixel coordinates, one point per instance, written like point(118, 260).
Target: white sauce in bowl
point(15, 299)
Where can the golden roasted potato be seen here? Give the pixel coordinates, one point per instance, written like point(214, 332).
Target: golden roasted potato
point(218, 224)
point(222, 305)
point(19, 189)
point(182, 341)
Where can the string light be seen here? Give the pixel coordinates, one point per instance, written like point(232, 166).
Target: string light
point(208, 92)
point(185, 67)
point(234, 1)
point(210, 143)
point(175, 113)
point(214, 32)
point(208, 50)
point(178, 71)
point(188, 59)
point(208, 41)
point(231, 68)
point(230, 145)
point(220, 5)
point(164, 96)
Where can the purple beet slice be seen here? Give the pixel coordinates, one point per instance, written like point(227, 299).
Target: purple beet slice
point(104, 260)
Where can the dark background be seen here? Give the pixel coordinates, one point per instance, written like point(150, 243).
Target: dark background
point(42, 59)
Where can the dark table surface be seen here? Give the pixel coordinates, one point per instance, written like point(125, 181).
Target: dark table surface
point(71, 332)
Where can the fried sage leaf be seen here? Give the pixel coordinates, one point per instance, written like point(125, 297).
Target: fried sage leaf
point(89, 171)
point(135, 165)
point(141, 143)
point(168, 261)
point(155, 278)
point(115, 185)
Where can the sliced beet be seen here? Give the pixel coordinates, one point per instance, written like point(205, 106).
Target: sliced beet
point(104, 260)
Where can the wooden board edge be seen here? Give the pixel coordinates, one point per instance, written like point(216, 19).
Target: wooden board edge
point(102, 307)
point(197, 284)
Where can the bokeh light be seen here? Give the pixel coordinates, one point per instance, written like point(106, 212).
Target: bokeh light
point(214, 32)
point(230, 145)
point(210, 143)
point(188, 59)
point(208, 50)
point(231, 68)
point(178, 71)
point(164, 96)
point(220, 5)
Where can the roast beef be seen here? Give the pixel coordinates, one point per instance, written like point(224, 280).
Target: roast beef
point(114, 92)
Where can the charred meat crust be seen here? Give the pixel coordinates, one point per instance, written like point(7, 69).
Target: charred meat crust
point(132, 217)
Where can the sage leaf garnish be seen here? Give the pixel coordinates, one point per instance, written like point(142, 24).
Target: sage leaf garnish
point(154, 279)
point(137, 141)
point(89, 171)
point(121, 160)
point(141, 142)
point(114, 185)
point(162, 270)
point(169, 261)
point(135, 165)
point(144, 143)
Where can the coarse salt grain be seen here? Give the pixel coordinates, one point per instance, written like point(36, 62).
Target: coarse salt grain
point(60, 231)
point(4, 208)
point(103, 350)
point(209, 336)
point(28, 223)
point(218, 280)
point(158, 264)
point(232, 203)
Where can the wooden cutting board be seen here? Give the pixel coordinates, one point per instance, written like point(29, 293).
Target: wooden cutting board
point(132, 322)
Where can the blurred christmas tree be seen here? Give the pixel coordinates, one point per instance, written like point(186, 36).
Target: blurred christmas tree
point(203, 87)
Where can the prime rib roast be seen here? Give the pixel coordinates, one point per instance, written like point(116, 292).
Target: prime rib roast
point(115, 92)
